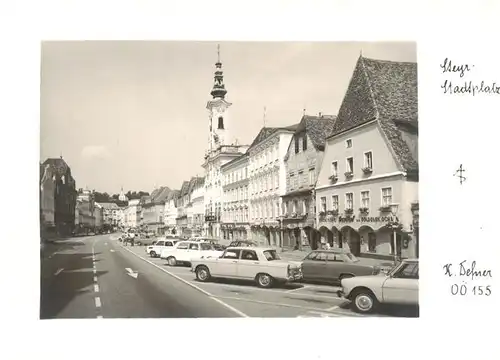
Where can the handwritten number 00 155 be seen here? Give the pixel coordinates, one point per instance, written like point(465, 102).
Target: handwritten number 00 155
point(476, 290)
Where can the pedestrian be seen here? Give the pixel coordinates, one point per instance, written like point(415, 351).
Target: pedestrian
point(327, 246)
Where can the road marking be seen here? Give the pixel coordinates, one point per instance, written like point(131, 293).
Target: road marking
point(99, 316)
point(58, 271)
point(240, 313)
point(98, 302)
point(300, 288)
point(95, 270)
point(96, 288)
point(333, 308)
point(95, 278)
point(132, 273)
point(270, 303)
point(111, 250)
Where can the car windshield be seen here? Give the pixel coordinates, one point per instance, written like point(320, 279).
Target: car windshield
point(352, 257)
point(206, 246)
point(271, 255)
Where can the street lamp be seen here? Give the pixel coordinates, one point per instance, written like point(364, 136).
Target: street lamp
point(394, 225)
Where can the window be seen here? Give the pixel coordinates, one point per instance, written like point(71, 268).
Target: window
point(407, 271)
point(372, 242)
point(304, 143)
point(334, 257)
point(271, 255)
point(296, 145)
point(368, 160)
point(323, 204)
point(349, 200)
point(193, 247)
point(335, 202)
point(231, 254)
point(249, 255)
point(182, 246)
point(295, 206)
point(277, 209)
point(365, 199)
point(312, 177)
point(350, 164)
point(348, 143)
point(206, 247)
point(220, 124)
point(292, 181)
point(335, 168)
point(160, 243)
point(386, 196)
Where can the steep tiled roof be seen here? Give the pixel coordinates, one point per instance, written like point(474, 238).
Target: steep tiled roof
point(385, 91)
point(58, 164)
point(184, 188)
point(173, 195)
point(159, 195)
point(109, 205)
point(266, 132)
point(317, 128)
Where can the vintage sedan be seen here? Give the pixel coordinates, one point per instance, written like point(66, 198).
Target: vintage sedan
point(399, 287)
point(262, 265)
point(332, 266)
point(184, 252)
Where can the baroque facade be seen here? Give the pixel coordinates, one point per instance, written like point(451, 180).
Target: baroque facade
point(267, 183)
point(302, 165)
point(222, 148)
point(235, 201)
point(369, 177)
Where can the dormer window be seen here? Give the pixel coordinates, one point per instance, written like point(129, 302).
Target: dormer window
point(220, 125)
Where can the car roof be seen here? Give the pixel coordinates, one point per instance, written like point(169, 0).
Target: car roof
point(335, 251)
point(249, 248)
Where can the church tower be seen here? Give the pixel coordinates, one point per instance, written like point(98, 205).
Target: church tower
point(218, 110)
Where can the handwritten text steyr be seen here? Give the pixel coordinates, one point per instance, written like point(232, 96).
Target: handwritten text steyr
point(466, 270)
point(467, 87)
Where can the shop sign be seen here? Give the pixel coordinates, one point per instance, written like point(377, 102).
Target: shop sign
point(209, 218)
point(366, 219)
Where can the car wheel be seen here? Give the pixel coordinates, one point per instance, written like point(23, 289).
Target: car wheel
point(202, 273)
point(171, 261)
point(363, 301)
point(265, 280)
point(152, 254)
point(139, 243)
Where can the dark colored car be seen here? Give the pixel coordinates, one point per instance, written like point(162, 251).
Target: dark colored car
point(238, 243)
point(331, 266)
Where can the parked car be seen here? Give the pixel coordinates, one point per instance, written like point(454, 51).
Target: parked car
point(155, 249)
point(143, 240)
point(332, 266)
point(399, 287)
point(185, 251)
point(262, 265)
point(241, 243)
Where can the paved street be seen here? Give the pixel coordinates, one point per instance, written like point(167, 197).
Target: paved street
point(94, 277)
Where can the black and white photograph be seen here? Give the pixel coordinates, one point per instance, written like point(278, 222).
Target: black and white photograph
point(228, 179)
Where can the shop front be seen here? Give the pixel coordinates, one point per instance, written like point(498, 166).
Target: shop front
point(365, 236)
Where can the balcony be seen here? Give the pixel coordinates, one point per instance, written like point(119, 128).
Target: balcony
point(367, 170)
point(363, 210)
point(348, 175)
point(333, 178)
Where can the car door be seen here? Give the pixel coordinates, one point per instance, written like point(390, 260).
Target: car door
point(226, 265)
point(401, 287)
point(181, 251)
point(334, 266)
point(159, 246)
point(248, 264)
point(314, 266)
point(193, 252)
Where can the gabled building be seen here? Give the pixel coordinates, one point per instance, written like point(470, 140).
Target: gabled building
point(195, 209)
point(182, 202)
point(153, 210)
point(369, 176)
point(171, 213)
point(267, 178)
point(64, 195)
point(85, 222)
point(235, 201)
point(111, 214)
point(302, 165)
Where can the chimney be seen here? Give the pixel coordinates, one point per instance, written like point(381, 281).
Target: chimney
point(320, 114)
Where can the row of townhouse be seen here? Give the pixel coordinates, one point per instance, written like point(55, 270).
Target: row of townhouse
point(349, 180)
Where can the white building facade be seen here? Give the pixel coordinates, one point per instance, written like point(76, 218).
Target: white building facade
point(236, 200)
point(171, 213)
point(267, 183)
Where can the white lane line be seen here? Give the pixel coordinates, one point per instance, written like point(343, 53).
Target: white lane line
point(271, 303)
point(58, 272)
point(95, 270)
point(333, 308)
point(236, 311)
point(297, 289)
point(96, 288)
point(99, 316)
point(97, 302)
point(95, 278)
point(111, 250)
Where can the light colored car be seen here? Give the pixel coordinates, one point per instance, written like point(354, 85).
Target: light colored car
point(332, 266)
point(185, 251)
point(155, 249)
point(399, 287)
point(262, 265)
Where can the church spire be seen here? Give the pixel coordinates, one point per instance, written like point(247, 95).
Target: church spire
point(219, 90)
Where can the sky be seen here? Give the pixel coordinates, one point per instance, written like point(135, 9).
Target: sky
point(133, 114)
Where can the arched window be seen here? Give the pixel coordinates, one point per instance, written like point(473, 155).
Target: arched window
point(221, 123)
